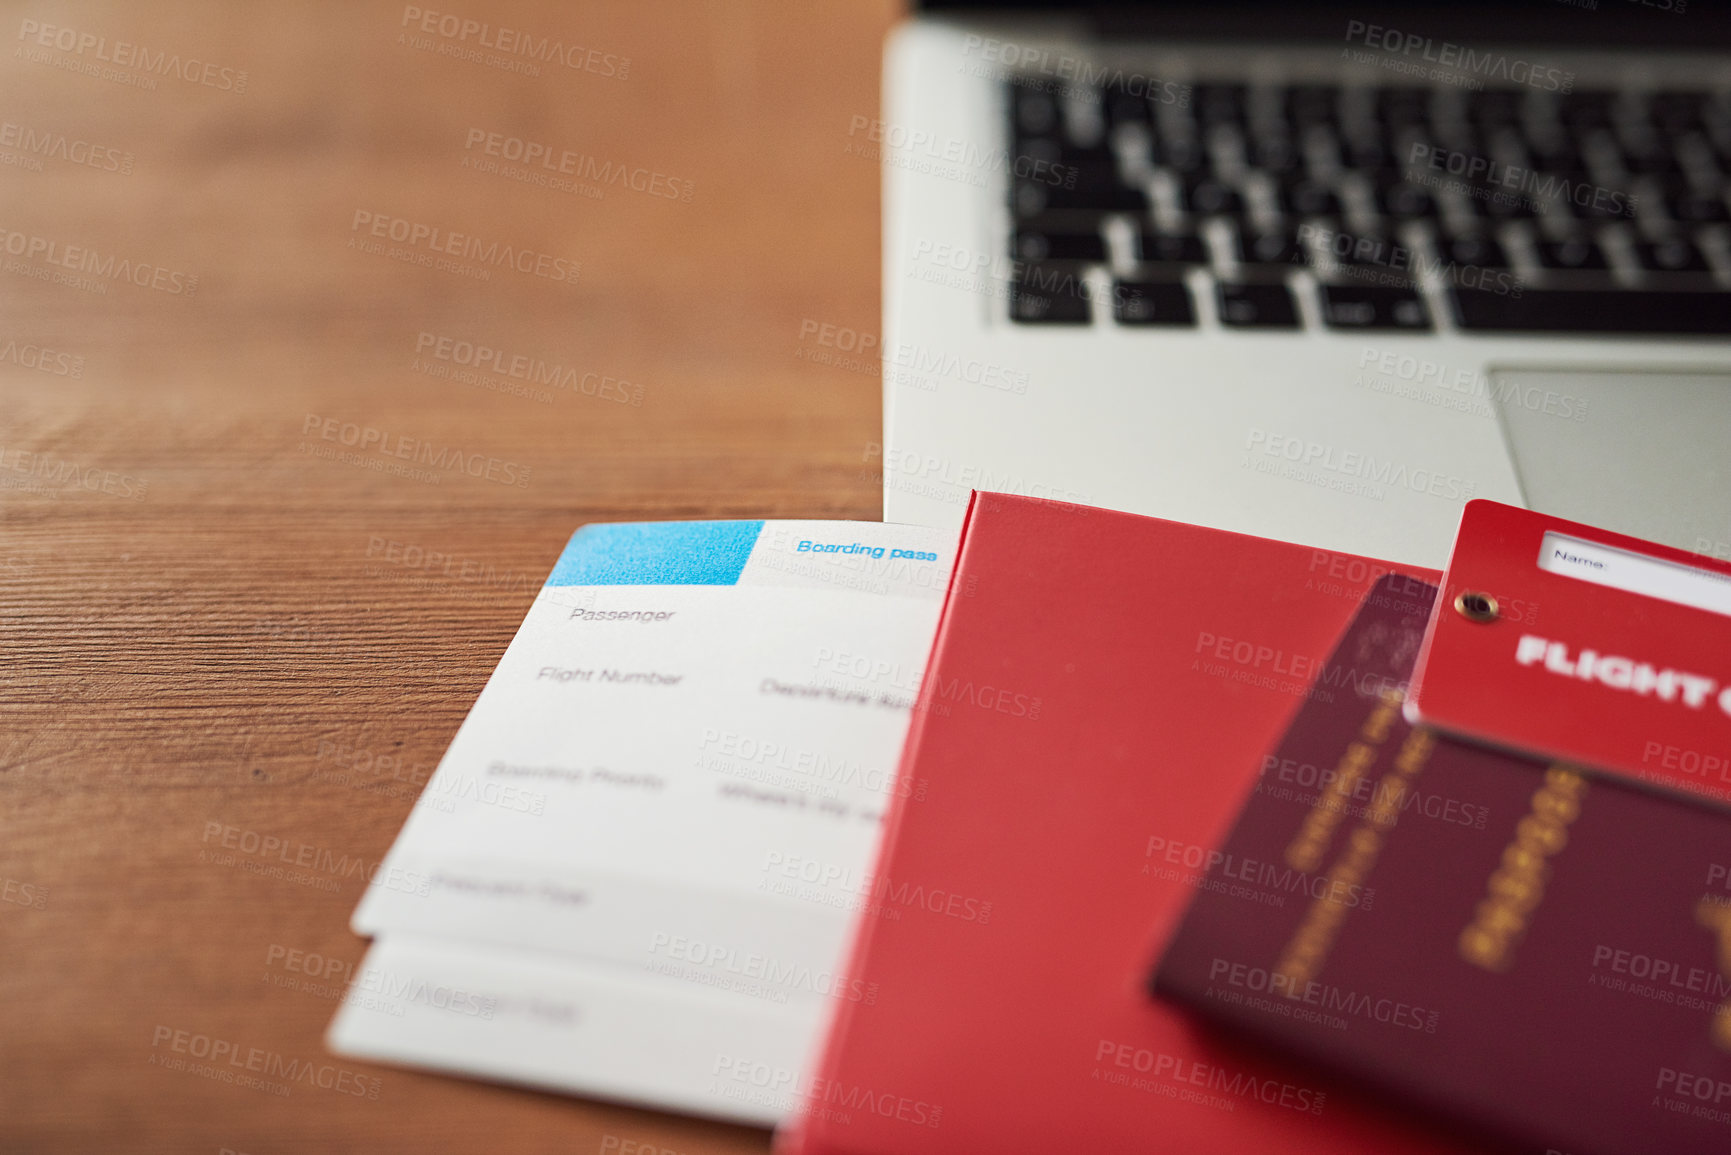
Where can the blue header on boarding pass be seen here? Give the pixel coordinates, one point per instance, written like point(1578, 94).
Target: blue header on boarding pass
point(870, 557)
point(657, 553)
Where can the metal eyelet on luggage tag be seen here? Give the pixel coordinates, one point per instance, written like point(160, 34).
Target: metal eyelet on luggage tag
point(1476, 607)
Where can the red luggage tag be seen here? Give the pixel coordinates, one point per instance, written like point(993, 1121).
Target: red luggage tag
point(1558, 640)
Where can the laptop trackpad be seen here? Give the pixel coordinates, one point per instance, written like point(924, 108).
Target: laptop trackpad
point(1640, 452)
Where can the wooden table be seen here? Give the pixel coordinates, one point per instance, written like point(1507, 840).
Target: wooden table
point(217, 611)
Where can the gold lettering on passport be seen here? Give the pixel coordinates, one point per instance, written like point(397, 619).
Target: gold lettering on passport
point(1716, 916)
point(1518, 884)
point(1313, 837)
point(1303, 957)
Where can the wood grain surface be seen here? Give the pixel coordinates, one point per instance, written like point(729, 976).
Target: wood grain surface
point(214, 614)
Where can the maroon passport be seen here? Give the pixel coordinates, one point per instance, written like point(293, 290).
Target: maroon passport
point(1539, 955)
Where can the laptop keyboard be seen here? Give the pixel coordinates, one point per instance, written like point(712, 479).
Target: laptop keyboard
point(1513, 210)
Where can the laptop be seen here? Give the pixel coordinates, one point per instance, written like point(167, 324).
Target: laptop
point(1317, 273)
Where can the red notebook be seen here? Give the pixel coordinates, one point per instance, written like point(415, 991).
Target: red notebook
point(1101, 693)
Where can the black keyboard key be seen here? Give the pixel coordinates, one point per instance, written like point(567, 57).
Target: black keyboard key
point(1401, 106)
point(1503, 205)
point(1029, 198)
point(1395, 271)
point(1270, 249)
point(1305, 198)
point(1458, 137)
point(1044, 161)
point(1126, 108)
point(1590, 201)
point(1053, 151)
point(1693, 209)
point(1254, 306)
point(1667, 185)
point(1366, 250)
point(1572, 254)
point(1219, 103)
point(1481, 252)
point(1093, 190)
point(1555, 154)
point(1274, 153)
point(1183, 154)
point(1049, 295)
point(1035, 112)
point(1583, 110)
point(1152, 303)
point(1037, 244)
point(1264, 105)
point(1209, 197)
point(1677, 112)
point(1675, 255)
point(1562, 191)
point(1405, 201)
point(1495, 106)
point(1388, 175)
point(1652, 158)
point(1373, 307)
point(1363, 151)
point(1600, 311)
point(1172, 248)
point(1313, 104)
